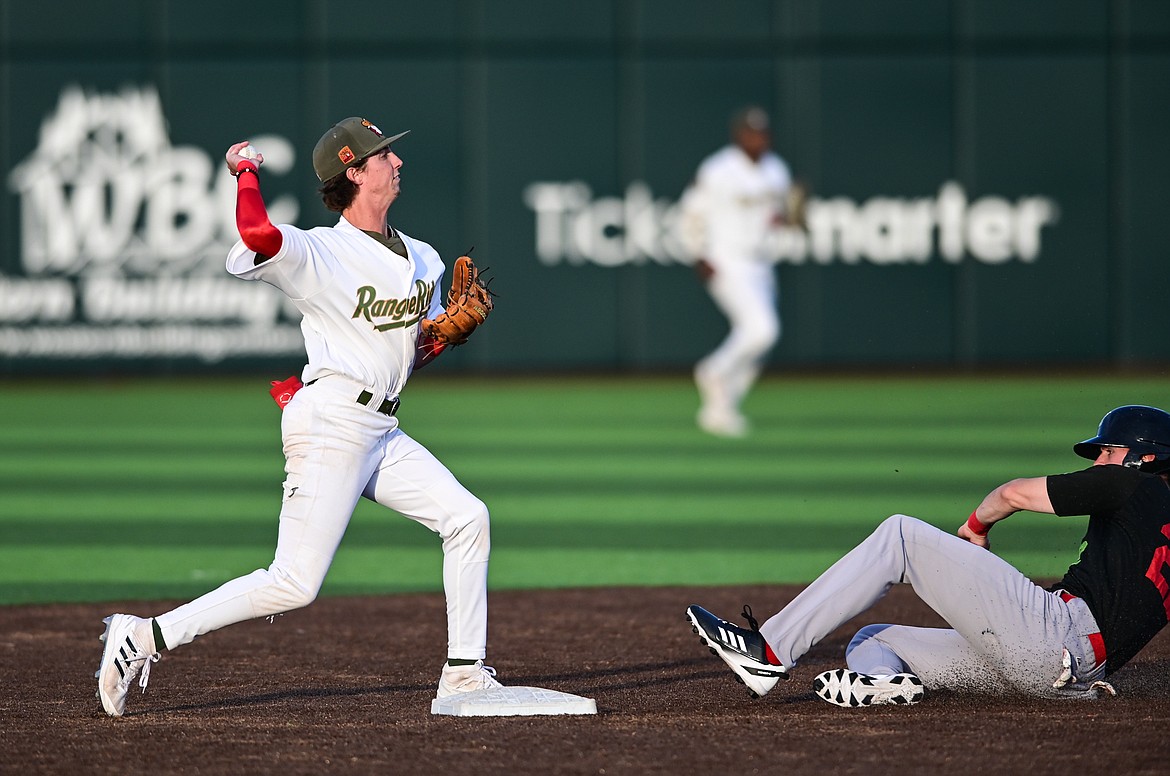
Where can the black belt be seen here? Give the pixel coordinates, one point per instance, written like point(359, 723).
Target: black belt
point(387, 407)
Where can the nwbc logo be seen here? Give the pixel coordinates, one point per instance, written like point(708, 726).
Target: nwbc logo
point(123, 237)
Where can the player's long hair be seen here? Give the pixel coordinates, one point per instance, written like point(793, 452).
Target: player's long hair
point(338, 192)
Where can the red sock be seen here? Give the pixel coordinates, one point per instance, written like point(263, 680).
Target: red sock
point(768, 653)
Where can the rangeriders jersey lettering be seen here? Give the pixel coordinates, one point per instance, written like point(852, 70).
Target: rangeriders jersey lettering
point(401, 312)
point(1122, 571)
point(361, 303)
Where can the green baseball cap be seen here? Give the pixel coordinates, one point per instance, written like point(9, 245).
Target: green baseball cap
point(345, 144)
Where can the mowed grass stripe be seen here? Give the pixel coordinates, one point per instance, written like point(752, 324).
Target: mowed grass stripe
point(139, 485)
point(399, 532)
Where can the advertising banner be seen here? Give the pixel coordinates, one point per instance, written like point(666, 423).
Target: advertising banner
point(122, 240)
point(983, 190)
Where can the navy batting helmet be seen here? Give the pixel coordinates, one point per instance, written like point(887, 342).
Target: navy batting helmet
point(1144, 430)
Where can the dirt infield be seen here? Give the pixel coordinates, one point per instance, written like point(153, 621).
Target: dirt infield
point(345, 685)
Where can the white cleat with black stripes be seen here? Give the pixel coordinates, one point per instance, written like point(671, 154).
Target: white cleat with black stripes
point(850, 689)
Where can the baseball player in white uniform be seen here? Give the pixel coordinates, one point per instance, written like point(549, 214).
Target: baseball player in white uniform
point(735, 202)
point(364, 290)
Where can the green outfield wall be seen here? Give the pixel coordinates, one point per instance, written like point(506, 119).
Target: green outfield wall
point(989, 177)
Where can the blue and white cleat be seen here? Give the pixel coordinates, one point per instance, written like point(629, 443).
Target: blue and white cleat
point(744, 650)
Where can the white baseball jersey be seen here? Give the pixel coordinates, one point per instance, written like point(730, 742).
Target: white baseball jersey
point(730, 209)
point(362, 304)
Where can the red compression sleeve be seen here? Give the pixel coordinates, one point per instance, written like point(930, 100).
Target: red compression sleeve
point(256, 230)
point(428, 350)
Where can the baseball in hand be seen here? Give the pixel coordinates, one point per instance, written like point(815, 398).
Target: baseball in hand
point(248, 152)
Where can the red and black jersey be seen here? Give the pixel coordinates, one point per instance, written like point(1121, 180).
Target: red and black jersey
point(1124, 567)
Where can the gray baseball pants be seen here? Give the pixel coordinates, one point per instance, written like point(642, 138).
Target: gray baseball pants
point(1007, 633)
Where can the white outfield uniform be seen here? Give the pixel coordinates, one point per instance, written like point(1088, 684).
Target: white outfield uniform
point(728, 213)
point(361, 320)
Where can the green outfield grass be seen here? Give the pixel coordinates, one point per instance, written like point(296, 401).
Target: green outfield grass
point(152, 489)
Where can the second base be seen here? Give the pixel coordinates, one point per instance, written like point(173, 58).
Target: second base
point(512, 702)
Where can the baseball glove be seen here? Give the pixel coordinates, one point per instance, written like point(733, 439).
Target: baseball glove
point(469, 302)
point(796, 205)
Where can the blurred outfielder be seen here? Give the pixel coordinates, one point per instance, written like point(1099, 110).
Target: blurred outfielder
point(740, 194)
point(1007, 633)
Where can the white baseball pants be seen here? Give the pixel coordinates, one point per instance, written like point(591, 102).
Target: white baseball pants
point(336, 451)
point(745, 292)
